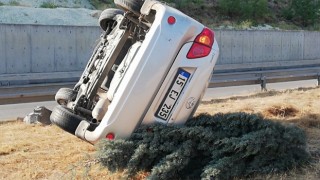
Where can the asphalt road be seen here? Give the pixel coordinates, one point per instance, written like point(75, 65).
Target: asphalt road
point(19, 111)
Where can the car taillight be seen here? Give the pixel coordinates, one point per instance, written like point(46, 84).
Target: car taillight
point(171, 20)
point(110, 136)
point(202, 45)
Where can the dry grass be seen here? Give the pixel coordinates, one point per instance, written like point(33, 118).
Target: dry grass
point(46, 152)
point(292, 105)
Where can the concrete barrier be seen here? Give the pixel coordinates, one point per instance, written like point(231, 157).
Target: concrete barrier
point(37, 49)
point(37, 60)
point(30, 49)
point(247, 47)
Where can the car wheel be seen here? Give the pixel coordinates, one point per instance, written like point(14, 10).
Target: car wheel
point(64, 95)
point(130, 5)
point(107, 16)
point(65, 119)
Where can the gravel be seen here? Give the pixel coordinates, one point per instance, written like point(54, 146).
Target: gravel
point(70, 12)
point(59, 3)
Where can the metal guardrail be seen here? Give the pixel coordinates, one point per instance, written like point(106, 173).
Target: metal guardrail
point(43, 86)
point(262, 77)
point(30, 93)
point(33, 87)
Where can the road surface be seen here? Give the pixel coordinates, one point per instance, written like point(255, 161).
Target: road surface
point(19, 111)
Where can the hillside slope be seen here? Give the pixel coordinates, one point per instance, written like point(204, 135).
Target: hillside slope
point(216, 14)
point(45, 16)
point(40, 3)
point(56, 12)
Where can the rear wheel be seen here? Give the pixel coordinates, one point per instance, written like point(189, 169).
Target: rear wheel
point(65, 119)
point(130, 5)
point(107, 17)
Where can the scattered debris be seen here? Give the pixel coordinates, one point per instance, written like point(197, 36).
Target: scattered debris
point(282, 111)
point(39, 115)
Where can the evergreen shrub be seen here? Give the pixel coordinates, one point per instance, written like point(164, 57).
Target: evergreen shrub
point(221, 146)
point(185, 4)
point(49, 5)
point(307, 12)
point(249, 9)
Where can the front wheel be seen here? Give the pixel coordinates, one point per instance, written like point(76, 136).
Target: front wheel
point(65, 119)
point(130, 5)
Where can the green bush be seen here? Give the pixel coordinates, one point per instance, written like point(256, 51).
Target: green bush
point(48, 5)
point(222, 146)
point(184, 4)
point(249, 9)
point(102, 4)
point(307, 12)
point(14, 3)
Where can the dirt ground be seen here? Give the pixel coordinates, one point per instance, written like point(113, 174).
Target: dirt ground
point(46, 152)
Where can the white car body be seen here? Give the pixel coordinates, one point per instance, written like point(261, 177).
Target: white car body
point(159, 83)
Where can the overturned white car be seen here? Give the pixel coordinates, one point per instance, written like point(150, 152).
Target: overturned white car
point(152, 65)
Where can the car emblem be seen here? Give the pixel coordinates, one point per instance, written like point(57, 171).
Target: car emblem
point(190, 103)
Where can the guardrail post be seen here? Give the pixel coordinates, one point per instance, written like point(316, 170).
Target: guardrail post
point(263, 83)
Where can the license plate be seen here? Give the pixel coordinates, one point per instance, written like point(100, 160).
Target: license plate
point(173, 94)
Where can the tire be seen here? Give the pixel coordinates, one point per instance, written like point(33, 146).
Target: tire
point(108, 16)
point(130, 5)
point(64, 95)
point(65, 119)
